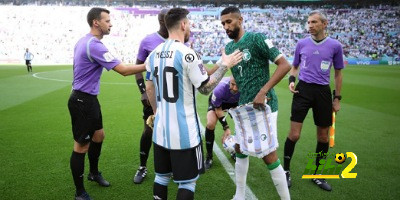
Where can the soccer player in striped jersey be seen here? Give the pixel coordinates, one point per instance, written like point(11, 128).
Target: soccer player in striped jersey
point(175, 72)
point(255, 86)
point(28, 58)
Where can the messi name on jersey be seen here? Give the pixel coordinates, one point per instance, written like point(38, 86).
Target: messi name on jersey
point(164, 54)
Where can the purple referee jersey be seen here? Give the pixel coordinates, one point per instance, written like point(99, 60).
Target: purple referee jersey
point(316, 59)
point(90, 56)
point(148, 44)
point(222, 93)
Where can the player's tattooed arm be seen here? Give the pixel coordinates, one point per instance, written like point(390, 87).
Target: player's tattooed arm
point(225, 63)
point(213, 81)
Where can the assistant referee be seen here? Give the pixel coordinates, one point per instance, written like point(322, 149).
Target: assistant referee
point(314, 57)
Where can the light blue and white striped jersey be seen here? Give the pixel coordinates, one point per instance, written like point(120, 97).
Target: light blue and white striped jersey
point(176, 71)
point(28, 55)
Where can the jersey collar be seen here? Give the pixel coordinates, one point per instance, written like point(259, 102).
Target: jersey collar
point(161, 37)
point(319, 43)
point(243, 36)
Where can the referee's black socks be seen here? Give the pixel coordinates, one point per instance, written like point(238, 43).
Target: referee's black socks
point(288, 153)
point(184, 194)
point(94, 154)
point(77, 164)
point(145, 145)
point(160, 191)
point(210, 136)
point(323, 149)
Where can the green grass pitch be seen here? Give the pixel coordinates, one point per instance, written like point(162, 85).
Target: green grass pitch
point(36, 140)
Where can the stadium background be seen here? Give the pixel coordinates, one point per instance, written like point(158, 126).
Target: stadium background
point(35, 138)
point(369, 32)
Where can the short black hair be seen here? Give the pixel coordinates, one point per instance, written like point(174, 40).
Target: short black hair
point(174, 16)
point(230, 9)
point(95, 13)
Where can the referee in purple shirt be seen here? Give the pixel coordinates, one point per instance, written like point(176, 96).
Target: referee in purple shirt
point(314, 57)
point(225, 96)
point(90, 57)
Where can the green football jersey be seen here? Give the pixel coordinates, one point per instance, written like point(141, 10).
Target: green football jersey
point(252, 73)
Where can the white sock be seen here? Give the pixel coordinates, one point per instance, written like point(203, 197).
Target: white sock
point(279, 178)
point(241, 168)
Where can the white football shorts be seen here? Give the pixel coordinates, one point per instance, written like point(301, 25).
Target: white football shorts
point(256, 130)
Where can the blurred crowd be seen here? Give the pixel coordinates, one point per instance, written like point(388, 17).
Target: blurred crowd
point(368, 32)
point(50, 32)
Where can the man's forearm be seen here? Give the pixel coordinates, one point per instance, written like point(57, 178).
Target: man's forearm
point(212, 70)
point(294, 71)
point(139, 76)
point(338, 81)
point(215, 78)
point(280, 72)
point(150, 90)
point(140, 83)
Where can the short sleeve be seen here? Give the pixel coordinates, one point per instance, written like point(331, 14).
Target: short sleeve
point(142, 52)
point(296, 59)
point(102, 56)
point(216, 100)
point(267, 48)
point(148, 63)
point(196, 71)
point(338, 57)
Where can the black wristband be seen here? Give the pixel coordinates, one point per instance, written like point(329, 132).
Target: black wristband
point(292, 79)
point(334, 96)
point(141, 85)
point(223, 122)
point(225, 127)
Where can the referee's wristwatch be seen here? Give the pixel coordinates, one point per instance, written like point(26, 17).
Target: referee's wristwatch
point(337, 97)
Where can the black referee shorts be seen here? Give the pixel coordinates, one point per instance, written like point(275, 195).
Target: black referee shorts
point(85, 114)
point(186, 165)
point(224, 106)
point(317, 97)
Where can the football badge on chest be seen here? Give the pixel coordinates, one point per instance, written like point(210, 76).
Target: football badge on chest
point(246, 55)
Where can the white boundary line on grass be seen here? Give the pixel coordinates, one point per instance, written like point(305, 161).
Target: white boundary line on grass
point(37, 75)
point(231, 170)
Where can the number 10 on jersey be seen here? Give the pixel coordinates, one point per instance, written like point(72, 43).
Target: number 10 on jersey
point(169, 87)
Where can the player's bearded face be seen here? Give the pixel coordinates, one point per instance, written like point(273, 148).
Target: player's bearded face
point(233, 34)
